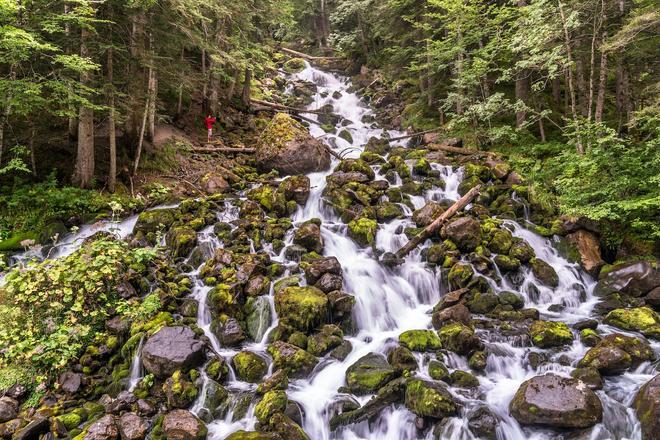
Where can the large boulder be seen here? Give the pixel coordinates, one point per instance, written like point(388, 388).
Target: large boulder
point(295, 361)
point(296, 188)
point(544, 272)
point(465, 232)
point(287, 147)
point(641, 319)
point(181, 424)
point(369, 373)
point(459, 338)
point(104, 428)
point(132, 426)
point(8, 409)
point(429, 399)
point(615, 353)
point(302, 307)
point(547, 334)
point(634, 279)
point(171, 349)
point(556, 401)
point(429, 212)
point(308, 235)
point(249, 366)
point(647, 405)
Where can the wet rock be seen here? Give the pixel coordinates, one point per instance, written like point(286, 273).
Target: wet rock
point(647, 406)
point(180, 392)
point(342, 351)
point(589, 337)
point(586, 324)
point(369, 373)
point(257, 285)
point(460, 275)
point(521, 251)
point(455, 313)
point(478, 360)
point(634, 279)
point(69, 382)
point(308, 235)
point(295, 361)
point(402, 359)
point(155, 220)
point(181, 424)
point(249, 366)
point(511, 299)
point(171, 349)
point(328, 338)
point(273, 402)
point(8, 409)
point(506, 263)
point(547, 334)
point(253, 435)
point(286, 146)
point(652, 299)
point(438, 370)
point(429, 399)
point(132, 426)
point(420, 340)
point(296, 188)
point(212, 183)
point(588, 247)
point(425, 215)
point(544, 272)
point(387, 211)
point(391, 393)
point(315, 269)
point(258, 317)
point(104, 428)
point(463, 379)
point(465, 232)
point(641, 319)
point(123, 402)
point(483, 423)
point(483, 303)
point(363, 231)
point(287, 428)
point(356, 165)
point(556, 401)
point(229, 333)
point(459, 338)
point(276, 381)
point(329, 282)
point(615, 353)
point(181, 240)
point(590, 376)
point(302, 307)
point(501, 242)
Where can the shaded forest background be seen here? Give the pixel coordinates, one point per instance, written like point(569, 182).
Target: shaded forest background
point(567, 90)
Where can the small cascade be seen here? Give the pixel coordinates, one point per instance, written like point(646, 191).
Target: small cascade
point(137, 372)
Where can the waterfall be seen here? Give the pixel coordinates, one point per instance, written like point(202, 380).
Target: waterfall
point(136, 367)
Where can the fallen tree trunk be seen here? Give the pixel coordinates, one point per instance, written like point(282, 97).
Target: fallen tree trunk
point(456, 150)
point(308, 57)
point(438, 222)
point(286, 107)
point(223, 150)
point(420, 133)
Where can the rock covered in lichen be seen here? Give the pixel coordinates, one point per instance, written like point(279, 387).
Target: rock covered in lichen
point(547, 334)
point(429, 399)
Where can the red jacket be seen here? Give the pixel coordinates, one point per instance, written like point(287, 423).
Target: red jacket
point(209, 122)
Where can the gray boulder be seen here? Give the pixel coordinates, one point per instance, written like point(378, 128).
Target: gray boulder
point(171, 349)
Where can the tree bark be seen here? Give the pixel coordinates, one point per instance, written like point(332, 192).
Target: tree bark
point(112, 135)
point(84, 172)
point(72, 130)
point(556, 90)
point(521, 86)
point(459, 70)
point(247, 84)
point(232, 86)
point(602, 82)
point(138, 152)
point(571, 88)
point(153, 94)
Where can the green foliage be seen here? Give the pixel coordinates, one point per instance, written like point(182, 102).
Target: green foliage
point(53, 309)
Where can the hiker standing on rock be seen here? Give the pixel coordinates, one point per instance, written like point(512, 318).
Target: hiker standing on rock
point(209, 121)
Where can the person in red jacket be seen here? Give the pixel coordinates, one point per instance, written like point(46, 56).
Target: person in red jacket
point(209, 121)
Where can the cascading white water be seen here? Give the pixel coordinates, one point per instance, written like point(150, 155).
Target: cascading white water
point(136, 367)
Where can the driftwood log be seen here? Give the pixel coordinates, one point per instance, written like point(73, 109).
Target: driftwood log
point(438, 222)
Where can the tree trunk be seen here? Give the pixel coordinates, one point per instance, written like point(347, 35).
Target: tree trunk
point(598, 21)
point(323, 41)
point(4, 117)
point(541, 130)
point(247, 84)
point(232, 86)
point(581, 91)
point(205, 84)
point(459, 70)
point(138, 152)
point(153, 95)
point(522, 84)
point(72, 130)
point(363, 37)
point(112, 135)
point(179, 102)
point(84, 172)
point(556, 90)
point(602, 82)
point(33, 159)
point(569, 54)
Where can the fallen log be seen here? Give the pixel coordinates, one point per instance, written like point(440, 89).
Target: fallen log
point(408, 136)
point(456, 150)
point(438, 222)
point(308, 57)
point(223, 150)
point(286, 107)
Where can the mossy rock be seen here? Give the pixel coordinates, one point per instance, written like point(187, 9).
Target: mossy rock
point(463, 379)
point(356, 165)
point(272, 403)
point(180, 392)
point(640, 319)
point(155, 220)
point(506, 263)
point(420, 340)
point(302, 307)
point(501, 242)
point(544, 272)
point(369, 373)
point(181, 240)
point(249, 366)
point(483, 303)
point(253, 435)
point(459, 338)
point(269, 199)
point(460, 275)
point(295, 361)
point(521, 251)
point(438, 370)
point(429, 399)
point(547, 334)
point(386, 211)
point(363, 231)
point(294, 65)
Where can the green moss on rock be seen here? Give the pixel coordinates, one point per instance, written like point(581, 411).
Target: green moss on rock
point(547, 334)
point(420, 340)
